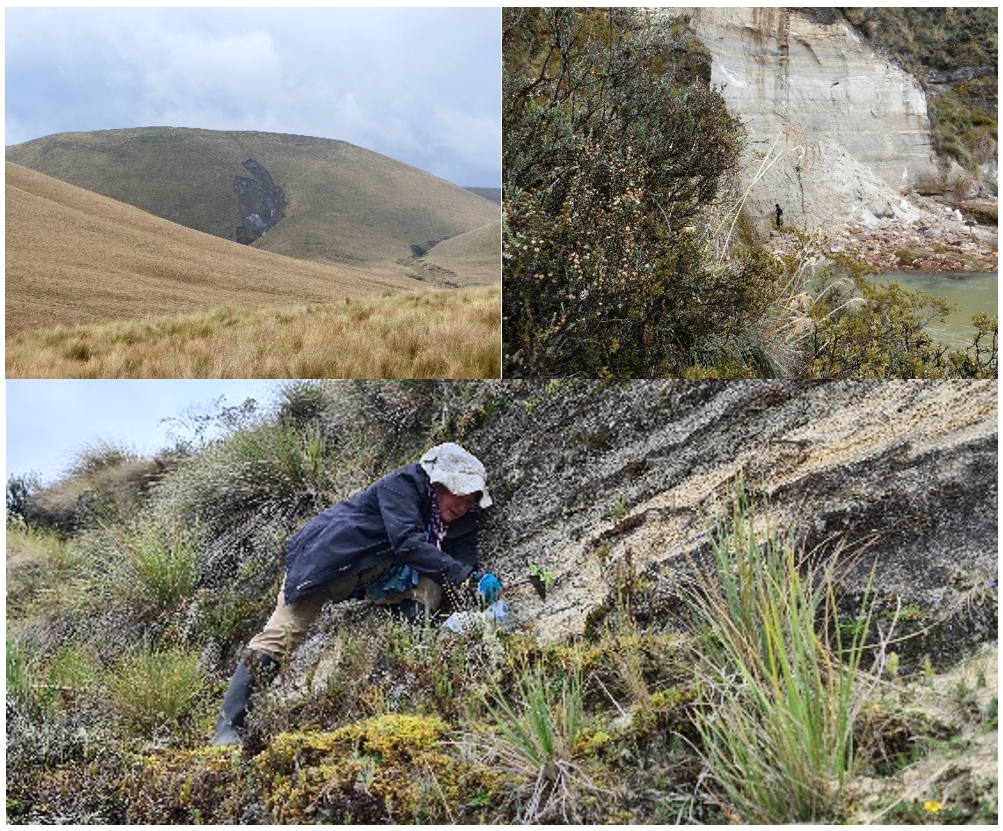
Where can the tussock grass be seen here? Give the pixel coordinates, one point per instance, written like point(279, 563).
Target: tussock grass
point(153, 689)
point(452, 334)
point(783, 677)
point(535, 741)
point(150, 569)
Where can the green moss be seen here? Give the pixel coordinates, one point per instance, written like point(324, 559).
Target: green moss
point(189, 786)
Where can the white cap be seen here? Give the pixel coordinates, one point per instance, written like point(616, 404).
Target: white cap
point(460, 472)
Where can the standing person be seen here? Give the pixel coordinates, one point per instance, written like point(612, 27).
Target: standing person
point(780, 215)
point(398, 542)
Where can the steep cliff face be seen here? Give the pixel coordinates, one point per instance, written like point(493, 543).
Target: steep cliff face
point(849, 126)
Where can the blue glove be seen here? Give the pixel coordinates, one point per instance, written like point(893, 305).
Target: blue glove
point(489, 587)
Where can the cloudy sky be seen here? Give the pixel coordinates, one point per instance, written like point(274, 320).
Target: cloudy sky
point(49, 423)
point(421, 85)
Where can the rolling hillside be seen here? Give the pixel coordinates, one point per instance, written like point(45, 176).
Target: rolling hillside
point(309, 198)
point(76, 257)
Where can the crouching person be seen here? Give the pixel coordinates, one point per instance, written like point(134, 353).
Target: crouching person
point(398, 542)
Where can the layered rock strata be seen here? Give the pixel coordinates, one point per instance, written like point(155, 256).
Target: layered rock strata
point(614, 487)
point(847, 127)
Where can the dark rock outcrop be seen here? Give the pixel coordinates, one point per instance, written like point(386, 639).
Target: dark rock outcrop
point(260, 201)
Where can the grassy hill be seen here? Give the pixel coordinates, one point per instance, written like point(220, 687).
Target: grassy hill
point(98, 288)
point(491, 194)
point(73, 256)
point(317, 199)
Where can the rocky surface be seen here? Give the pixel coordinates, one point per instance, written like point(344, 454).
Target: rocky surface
point(922, 234)
point(839, 136)
point(607, 484)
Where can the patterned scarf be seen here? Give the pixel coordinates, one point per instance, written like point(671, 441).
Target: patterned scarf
point(436, 531)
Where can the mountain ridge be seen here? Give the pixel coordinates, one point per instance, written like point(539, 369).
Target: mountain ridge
point(61, 238)
point(331, 202)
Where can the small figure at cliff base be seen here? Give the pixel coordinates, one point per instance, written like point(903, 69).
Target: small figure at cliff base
point(780, 216)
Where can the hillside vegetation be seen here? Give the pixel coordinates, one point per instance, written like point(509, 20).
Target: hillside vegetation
point(73, 257)
point(330, 201)
point(132, 584)
point(98, 288)
point(435, 334)
point(625, 251)
point(955, 54)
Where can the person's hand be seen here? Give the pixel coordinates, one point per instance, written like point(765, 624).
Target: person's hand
point(481, 587)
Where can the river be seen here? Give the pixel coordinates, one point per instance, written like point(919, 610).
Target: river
point(968, 292)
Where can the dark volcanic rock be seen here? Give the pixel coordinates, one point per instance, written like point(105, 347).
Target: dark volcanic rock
point(260, 201)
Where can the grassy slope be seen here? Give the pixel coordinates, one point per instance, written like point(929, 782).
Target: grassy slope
point(344, 204)
point(75, 257)
point(434, 334)
point(473, 258)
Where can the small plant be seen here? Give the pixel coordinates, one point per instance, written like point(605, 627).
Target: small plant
point(152, 689)
point(619, 509)
point(540, 578)
point(29, 683)
point(536, 742)
point(151, 569)
point(782, 675)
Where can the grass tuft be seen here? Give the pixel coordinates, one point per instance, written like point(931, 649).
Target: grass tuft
point(453, 334)
point(782, 679)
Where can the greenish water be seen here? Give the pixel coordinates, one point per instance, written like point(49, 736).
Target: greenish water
point(969, 293)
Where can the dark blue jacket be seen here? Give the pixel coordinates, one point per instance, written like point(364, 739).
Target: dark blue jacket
point(386, 522)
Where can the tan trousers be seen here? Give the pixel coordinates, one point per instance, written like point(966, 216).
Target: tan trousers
point(289, 623)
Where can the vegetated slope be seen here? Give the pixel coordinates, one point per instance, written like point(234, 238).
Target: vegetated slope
point(73, 256)
point(472, 258)
point(310, 198)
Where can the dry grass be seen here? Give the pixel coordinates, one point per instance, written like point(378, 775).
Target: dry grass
point(473, 258)
point(76, 257)
point(442, 334)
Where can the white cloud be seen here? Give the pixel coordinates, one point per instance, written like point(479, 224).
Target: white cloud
point(192, 79)
point(382, 78)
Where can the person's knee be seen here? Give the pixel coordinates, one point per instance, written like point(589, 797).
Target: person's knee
point(428, 593)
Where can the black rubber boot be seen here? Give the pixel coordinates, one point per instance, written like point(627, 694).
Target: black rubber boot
point(411, 611)
point(237, 700)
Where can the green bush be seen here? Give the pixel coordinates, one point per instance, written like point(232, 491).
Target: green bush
point(606, 154)
point(536, 741)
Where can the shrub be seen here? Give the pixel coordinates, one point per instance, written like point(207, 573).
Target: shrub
point(607, 152)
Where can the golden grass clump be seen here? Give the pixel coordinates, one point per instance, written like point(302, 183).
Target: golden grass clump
point(444, 334)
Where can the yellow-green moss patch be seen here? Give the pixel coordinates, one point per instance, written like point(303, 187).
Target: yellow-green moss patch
point(391, 768)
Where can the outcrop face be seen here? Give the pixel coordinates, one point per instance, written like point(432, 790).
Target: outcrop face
point(604, 484)
point(850, 126)
point(260, 202)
